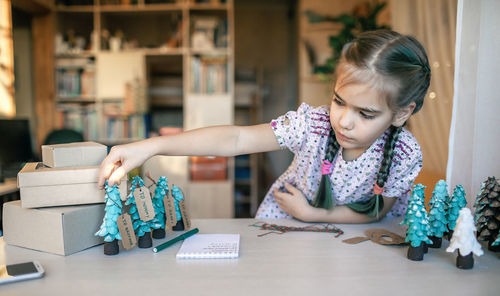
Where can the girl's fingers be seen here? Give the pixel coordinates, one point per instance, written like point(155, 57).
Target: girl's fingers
point(290, 188)
point(116, 176)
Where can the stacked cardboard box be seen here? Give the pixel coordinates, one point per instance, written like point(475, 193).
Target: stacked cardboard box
point(61, 206)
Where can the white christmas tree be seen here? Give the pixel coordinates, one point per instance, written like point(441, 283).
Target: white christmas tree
point(464, 238)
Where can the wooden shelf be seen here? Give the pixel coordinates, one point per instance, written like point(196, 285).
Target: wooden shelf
point(75, 8)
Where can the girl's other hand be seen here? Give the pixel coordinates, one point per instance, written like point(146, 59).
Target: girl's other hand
point(293, 202)
point(121, 160)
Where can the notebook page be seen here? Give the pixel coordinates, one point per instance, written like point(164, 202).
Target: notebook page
point(210, 246)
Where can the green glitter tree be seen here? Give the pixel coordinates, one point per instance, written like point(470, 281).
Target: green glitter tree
point(457, 203)
point(437, 213)
point(142, 229)
point(158, 223)
point(109, 227)
point(418, 225)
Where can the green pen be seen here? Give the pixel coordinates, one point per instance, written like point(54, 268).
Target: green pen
point(174, 240)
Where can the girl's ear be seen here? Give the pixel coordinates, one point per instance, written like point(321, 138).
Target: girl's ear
point(403, 114)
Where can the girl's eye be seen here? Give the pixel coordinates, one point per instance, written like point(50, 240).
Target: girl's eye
point(366, 116)
point(338, 102)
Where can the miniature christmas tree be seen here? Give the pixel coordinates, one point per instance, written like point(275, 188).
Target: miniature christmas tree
point(109, 228)
point(465, 240)
point(177, 194)
point(457, 203)
point(142, 229)
point(437, 214)
point(418, 225)
point(158, 223)
point(487, 214)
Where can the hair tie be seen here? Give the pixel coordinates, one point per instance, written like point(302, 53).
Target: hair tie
point(326, 167)
point(377, 189)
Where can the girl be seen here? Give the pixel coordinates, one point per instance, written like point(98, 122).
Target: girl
point(354, 162)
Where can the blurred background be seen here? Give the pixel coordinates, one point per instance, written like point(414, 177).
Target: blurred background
point(116, 71)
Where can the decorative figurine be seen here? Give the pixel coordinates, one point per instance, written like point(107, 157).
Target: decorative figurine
point(437, 214)
point(418, 225)
point(487, 214)
point(158, 223)
point(109, 227)
point(177, 195)
point(465, 240)
point(457, 203)
point(141, 228)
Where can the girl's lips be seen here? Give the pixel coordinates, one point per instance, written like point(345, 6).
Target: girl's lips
point(343, 137)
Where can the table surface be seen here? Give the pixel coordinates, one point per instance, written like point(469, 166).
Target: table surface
point(294, 263)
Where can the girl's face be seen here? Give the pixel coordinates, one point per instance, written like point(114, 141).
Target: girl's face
point(358, 116)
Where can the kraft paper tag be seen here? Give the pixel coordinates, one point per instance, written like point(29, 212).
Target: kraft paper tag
point(144, 204)
point(185, 216)
point(171, 217)
point(355, 240)
point(126, 231)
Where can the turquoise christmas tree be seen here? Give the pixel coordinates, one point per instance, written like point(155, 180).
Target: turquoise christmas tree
point(457, 203)
point(418, 225)
point(141, 228)
point(178, 197)
point(437, 213)
point(416, 201)
point(109, 228)
point(158, 223)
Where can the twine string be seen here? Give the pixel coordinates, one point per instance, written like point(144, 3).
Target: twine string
point(280, 229)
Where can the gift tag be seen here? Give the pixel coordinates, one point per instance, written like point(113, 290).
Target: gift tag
point(170, 216)
point(184, 213)
point(144, 204)
point(126, 231)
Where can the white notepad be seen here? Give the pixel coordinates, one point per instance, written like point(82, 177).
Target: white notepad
point(210, 246)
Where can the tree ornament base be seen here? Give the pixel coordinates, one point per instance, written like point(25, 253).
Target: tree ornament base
point(111, 248)
point(179, 226)
point(465, 262)
point(145, 241)
point(159, 233)
point(425, 247)
point(493, 248)
point(416, 253)
point(436, 242)
point(448, 234)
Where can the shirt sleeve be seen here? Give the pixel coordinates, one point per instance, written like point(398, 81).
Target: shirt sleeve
point(292, 129)
point(407, 163)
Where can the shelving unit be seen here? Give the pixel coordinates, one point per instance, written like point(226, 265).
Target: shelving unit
point(177, 60)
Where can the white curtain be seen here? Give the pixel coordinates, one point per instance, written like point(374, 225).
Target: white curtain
point(433, 23)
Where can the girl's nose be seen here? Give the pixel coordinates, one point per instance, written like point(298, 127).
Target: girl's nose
point(346, 120)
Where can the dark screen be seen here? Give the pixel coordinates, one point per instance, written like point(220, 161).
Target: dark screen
point(22, 268)
point(15, 143)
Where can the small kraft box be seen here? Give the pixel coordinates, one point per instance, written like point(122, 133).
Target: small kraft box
point(208, 168)
point(73, 154)
point(57, 230)
point(40, 186)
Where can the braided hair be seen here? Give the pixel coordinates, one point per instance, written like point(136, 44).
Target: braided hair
point(395, 64)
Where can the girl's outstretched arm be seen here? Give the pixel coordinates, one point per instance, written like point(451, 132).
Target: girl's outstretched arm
point(295, 204)
point(209, 141)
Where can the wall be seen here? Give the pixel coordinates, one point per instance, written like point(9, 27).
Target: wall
point(474, 136)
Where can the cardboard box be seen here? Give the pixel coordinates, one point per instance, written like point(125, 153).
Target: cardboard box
point(58, 230)
point(73, 154)
point(40, 186)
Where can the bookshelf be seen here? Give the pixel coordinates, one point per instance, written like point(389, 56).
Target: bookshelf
point(124, 68)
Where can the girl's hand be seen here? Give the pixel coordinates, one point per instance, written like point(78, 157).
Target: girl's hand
point(293, 202)
point(121, 160)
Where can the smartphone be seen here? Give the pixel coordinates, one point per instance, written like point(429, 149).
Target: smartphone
point(20, 272)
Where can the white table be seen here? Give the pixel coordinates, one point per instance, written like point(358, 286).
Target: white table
point(298, 263)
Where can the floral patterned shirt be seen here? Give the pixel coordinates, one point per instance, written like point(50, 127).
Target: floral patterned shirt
point(305, 133)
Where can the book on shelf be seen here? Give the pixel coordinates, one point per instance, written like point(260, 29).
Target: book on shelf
point(75, 83)
point(125, 127)
point(209, 74)
point(79, 118)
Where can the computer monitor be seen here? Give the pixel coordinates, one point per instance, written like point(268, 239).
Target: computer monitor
point(15, 145)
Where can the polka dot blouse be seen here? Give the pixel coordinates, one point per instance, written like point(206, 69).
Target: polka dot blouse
point(305, 133)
